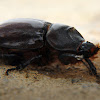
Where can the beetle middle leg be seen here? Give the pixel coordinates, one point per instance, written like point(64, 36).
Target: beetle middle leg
point(23, 65)
point(67, 58)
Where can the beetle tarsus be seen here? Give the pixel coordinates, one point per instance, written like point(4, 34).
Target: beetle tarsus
point(19, 67)
point(8, 70)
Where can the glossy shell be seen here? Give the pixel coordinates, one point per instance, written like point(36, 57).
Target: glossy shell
point(22, 34)
point(63, 37)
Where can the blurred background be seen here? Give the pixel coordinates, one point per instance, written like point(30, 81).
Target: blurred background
point(84, 15)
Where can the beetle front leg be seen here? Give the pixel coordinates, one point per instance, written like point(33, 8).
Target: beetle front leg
point(91, 67)
point(23, 65)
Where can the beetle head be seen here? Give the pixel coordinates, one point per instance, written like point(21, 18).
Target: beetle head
point(88, 49)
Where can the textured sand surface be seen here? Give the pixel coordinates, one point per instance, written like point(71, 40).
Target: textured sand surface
point(64, 83)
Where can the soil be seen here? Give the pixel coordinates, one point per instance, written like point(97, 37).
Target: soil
point(50, 82)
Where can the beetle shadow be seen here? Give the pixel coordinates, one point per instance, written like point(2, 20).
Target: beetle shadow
point(77, 71)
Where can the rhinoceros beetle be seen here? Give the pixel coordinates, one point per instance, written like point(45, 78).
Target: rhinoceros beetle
point(43, 39)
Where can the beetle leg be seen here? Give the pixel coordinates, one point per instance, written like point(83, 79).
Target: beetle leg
point(30, 60)
point(86, 65)
point(23, 65)
point(91, 66)
point(67, 58)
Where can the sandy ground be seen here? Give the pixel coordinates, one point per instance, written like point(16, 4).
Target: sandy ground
point(64, 83)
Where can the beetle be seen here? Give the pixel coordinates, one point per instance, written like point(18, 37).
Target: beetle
point(43, 39)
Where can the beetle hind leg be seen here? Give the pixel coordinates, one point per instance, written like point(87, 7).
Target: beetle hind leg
point(23, 65)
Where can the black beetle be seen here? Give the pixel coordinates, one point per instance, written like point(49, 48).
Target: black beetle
point(21, 36)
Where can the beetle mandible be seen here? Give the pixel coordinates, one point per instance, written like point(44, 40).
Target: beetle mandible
point(22, 35)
